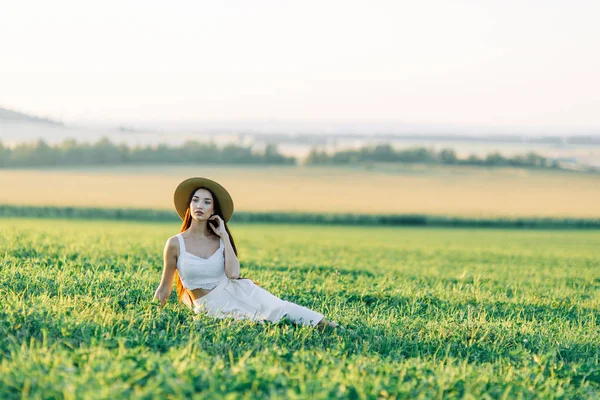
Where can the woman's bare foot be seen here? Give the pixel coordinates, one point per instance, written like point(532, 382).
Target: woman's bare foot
point(325, 323)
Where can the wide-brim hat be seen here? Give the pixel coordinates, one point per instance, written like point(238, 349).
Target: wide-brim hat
point(185, 189)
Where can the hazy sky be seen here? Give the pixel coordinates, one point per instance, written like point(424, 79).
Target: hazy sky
point(489, 63)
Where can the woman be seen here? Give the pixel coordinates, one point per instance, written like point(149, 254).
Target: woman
point(202, 259)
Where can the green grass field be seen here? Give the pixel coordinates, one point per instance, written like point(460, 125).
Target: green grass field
point(434, 313)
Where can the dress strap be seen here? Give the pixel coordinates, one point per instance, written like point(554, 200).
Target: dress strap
point(221, 247)
point(181, 243)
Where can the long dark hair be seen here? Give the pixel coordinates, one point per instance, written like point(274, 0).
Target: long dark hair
point(183, 294)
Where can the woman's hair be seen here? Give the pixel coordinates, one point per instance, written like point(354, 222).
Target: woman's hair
point(182, 293)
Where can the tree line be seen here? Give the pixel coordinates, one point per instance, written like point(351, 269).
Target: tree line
point(71, 152)
point(386, 153)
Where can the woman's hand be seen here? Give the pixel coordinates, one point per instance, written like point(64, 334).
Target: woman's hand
point(219, 229)
point(162, 295)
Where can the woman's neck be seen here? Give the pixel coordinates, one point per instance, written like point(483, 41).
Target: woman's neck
point(198, 228)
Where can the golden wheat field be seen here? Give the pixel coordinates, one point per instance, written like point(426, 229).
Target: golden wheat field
point(378, 189)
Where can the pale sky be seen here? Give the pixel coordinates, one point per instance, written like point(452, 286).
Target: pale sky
point(526, 63)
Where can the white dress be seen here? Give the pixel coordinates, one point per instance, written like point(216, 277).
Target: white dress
point(237, 298)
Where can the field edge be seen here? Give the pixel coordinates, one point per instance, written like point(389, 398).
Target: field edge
point(134, 214)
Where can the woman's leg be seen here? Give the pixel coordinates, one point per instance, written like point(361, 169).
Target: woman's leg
point(272, 308)
point(301, 315)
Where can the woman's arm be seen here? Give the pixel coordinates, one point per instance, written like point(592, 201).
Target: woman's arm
point(170, 266)
point(232, 264)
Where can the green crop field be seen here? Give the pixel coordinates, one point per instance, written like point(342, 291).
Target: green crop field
point(431, 313)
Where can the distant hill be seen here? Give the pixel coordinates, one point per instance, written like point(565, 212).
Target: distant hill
point(10, 115)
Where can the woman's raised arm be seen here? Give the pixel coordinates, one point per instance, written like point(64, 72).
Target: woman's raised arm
point(232, 264)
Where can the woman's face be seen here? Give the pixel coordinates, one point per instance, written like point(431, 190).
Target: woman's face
point(202, 205)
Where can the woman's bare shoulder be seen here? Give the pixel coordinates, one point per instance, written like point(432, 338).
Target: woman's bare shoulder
point(172, 244)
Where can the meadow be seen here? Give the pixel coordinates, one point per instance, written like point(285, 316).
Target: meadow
point(431, 313)
point(461, 191)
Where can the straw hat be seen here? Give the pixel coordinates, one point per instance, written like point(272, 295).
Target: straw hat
point(186, 188)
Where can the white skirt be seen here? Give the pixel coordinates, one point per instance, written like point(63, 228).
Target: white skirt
point(243, 299)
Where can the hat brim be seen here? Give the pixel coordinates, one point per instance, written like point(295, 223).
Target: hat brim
point(186, 188)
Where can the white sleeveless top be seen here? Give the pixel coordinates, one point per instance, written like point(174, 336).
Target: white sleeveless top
point(197, 272)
